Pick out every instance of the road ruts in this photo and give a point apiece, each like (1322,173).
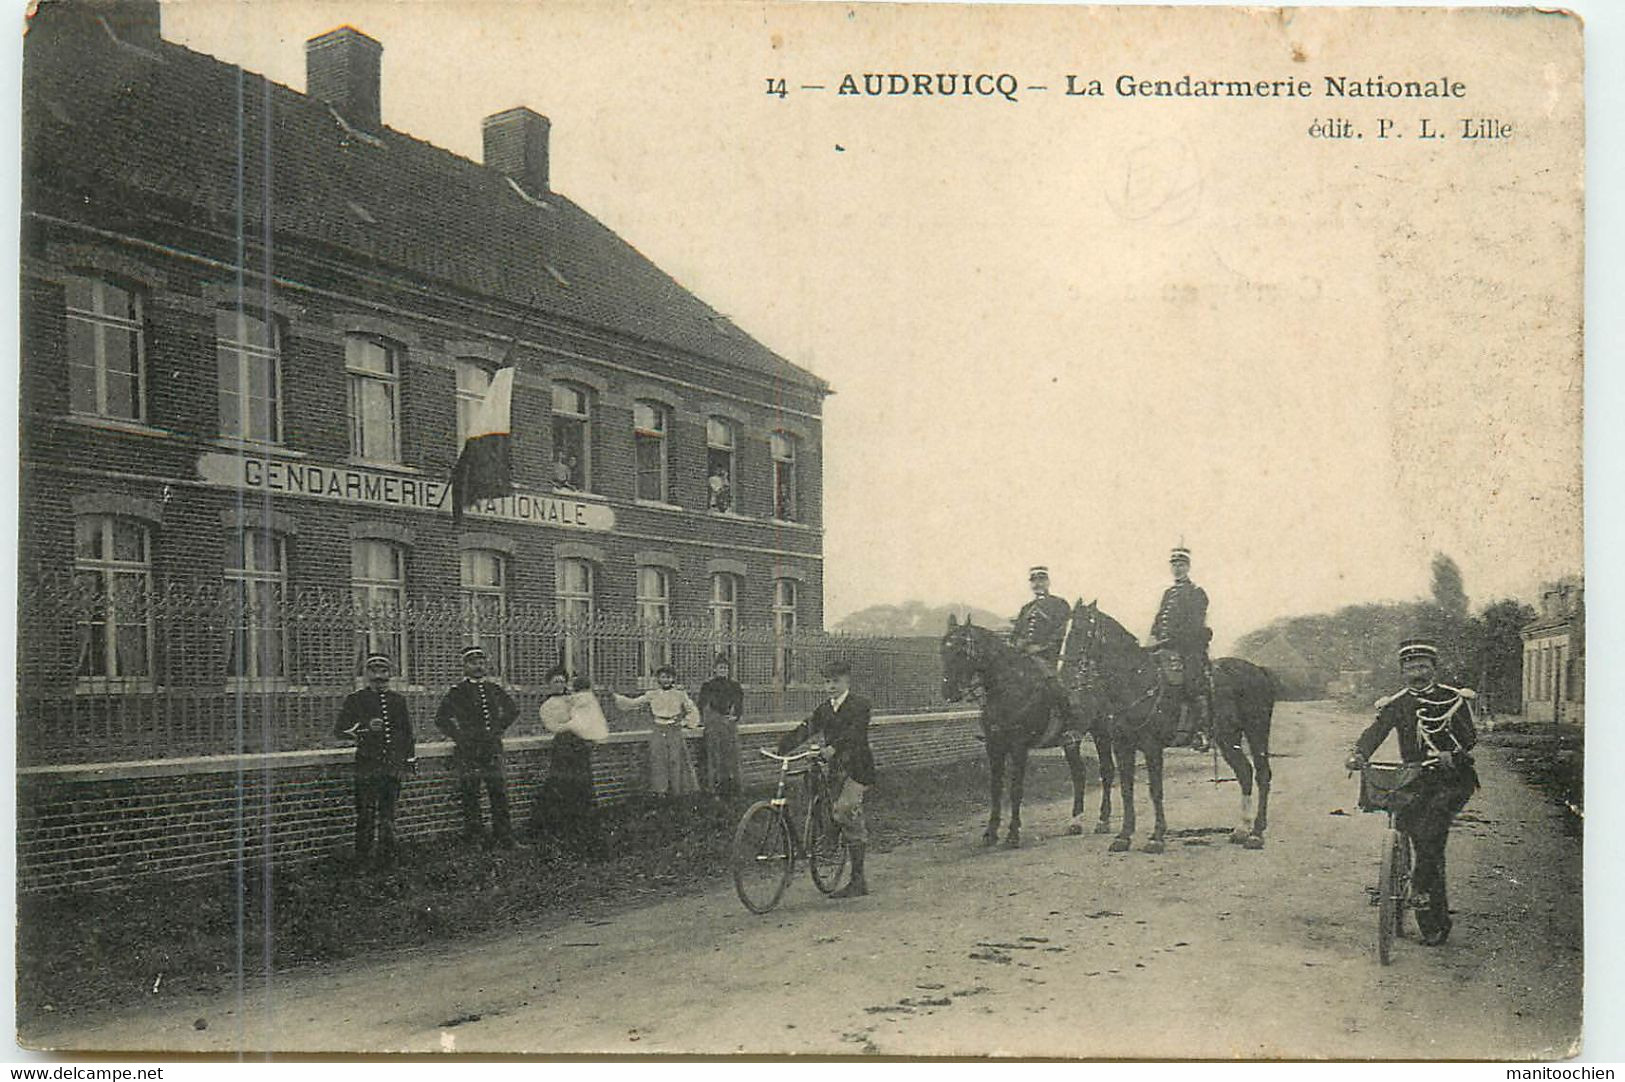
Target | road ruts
(1057,949)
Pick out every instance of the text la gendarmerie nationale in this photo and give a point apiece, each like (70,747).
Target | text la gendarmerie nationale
(1007,85)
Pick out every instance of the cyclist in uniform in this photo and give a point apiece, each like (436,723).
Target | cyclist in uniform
(1432,721)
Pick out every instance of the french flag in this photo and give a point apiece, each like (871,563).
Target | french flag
(483,470)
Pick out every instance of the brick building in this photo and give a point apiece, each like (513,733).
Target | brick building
(1554,655)
(253,321)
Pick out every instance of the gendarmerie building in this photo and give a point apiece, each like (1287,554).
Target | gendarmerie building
(254,321)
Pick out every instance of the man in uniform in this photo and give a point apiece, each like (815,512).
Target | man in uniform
(1181,634)
(1434,725)
(842,720)
(1039,630)
(475,713)
(376,719)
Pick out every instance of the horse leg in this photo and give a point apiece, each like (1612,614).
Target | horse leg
(1103,753)
(1074,766)
(1260,744)
(1153,771)
(995,772)
(1230,748)
(1124,753)
(1018,776)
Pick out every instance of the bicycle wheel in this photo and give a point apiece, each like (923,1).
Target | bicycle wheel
(762,858)
(1402,885)
(826,847)
(1387,899)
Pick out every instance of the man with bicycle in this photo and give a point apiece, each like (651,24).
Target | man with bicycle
(842,721)
(1433,723)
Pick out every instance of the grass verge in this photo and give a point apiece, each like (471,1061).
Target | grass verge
(160,940)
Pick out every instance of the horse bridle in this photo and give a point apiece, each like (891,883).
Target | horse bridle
(1089,668)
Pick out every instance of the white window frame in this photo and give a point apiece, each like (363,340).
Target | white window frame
(374,598)
(103,323)
(654,601)
(258,614)
(657,434)
(786,622)
(494,642)
(360,377)
(114,578)
(582,418)
(468,396)
(233,349)
(576,610)
(724,614)
(730,448)
(784,452)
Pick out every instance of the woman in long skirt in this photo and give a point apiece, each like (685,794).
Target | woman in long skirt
(671,771)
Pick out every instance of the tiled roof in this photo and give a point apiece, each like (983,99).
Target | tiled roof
(139,130)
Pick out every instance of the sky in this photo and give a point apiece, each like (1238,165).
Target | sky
(1078,331)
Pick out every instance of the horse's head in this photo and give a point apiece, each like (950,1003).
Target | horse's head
(962,658)
(1088,661)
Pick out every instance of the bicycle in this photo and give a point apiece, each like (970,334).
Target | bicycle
(766,847)
(1380,783)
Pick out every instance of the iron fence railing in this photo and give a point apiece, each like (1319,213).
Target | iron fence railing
(129,670)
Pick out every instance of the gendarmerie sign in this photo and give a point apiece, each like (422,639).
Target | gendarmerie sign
(351,484)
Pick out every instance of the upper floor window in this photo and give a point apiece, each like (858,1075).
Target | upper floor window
(572,437)
(485,604)
(113,564)
(249,350)
(719,464)
(378,582)
(785,495)
(473,381)
(106,373)
(374,366)
(650,423)
(257,569)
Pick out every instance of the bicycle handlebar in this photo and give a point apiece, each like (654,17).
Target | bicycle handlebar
(796,758)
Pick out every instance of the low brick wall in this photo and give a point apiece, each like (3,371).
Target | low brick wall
(102,825)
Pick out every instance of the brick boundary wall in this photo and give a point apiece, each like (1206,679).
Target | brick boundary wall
(102,826)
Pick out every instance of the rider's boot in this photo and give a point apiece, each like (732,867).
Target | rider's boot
(1185,728)
(1057,717)
(855,887)
(1201,715)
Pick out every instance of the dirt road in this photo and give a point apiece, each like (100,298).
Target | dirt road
(1058,949)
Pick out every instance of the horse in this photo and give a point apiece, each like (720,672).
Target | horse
(1015,713)
(1116,683)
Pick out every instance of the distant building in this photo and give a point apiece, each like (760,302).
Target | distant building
(1294,676)
(1554,655)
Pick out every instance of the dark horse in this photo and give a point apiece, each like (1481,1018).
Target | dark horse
(1015,713)
(1116,683)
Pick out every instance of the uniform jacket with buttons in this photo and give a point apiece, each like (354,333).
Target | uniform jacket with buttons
(475,714)
(1181,619)
(1042,621)
(1440,714)
(386,751)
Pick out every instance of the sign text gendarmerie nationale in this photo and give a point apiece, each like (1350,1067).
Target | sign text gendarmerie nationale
(351,484)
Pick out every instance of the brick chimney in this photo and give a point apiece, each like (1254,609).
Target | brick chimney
(516,145)
(342,68)
(135,22)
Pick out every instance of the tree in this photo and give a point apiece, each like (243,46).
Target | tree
(1497,651)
